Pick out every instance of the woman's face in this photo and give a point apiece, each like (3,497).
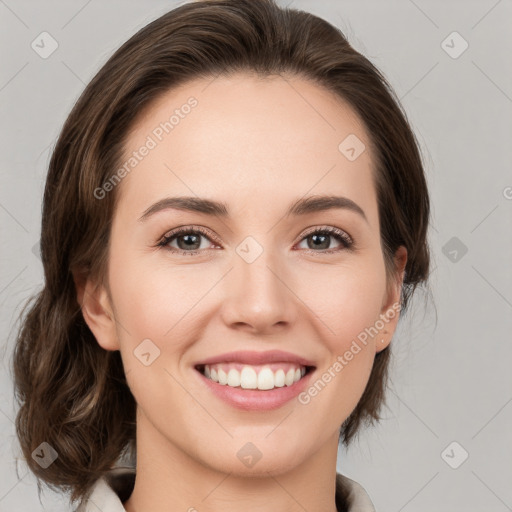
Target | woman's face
(257,279)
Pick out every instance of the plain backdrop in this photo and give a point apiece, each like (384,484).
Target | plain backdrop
(445,443)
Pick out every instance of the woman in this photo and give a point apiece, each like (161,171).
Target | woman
(235,215)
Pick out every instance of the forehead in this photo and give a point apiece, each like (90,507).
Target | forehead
(241,139)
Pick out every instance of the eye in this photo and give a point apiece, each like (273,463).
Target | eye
(188,239)
(321,239)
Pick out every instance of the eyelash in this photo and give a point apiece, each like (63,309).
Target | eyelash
(341,236)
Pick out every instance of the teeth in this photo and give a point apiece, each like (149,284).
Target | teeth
(223,378)
(290,377)
(233,378)
(248,378)
(266,379)
(279,378)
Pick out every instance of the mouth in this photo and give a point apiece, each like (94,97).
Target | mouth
(261,377)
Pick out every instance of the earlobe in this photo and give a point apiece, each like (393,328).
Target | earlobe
(97,312)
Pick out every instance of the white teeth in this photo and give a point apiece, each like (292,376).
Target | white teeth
(279,378)
(223,378)
(266,379)
(248,378)
(233,378)
(290,375)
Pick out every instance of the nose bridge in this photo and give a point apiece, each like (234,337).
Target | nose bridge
(258,268)
(257,293)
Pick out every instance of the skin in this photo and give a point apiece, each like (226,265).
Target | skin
(246,138)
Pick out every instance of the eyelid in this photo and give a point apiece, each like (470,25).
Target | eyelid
(190,227)
(330,230)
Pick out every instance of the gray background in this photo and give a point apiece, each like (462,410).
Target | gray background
(451,378)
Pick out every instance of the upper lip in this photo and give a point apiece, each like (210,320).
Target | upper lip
(256,358)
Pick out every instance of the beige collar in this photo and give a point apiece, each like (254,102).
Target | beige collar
(109,492)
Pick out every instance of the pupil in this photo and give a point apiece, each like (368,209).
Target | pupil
(189,242)
(324,238)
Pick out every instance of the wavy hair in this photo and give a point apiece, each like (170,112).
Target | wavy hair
(73,394)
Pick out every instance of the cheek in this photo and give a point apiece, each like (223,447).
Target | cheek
(344,300)
(347,304)
(154,298)
(156,321)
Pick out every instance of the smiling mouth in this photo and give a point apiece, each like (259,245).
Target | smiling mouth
(263,377)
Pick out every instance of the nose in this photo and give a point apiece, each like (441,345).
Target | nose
(258,296)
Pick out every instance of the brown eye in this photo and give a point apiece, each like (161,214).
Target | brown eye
(188,240)
(321,240)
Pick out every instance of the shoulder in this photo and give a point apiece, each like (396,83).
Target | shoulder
(353,494)
(110,491)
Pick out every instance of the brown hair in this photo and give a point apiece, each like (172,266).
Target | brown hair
(72,393)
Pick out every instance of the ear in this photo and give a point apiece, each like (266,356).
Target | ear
(390,311)
(97,311)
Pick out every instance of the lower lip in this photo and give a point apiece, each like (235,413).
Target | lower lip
(254,399)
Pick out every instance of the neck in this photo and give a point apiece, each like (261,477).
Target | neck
(168,479)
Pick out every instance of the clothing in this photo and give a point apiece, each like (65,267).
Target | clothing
(110,492)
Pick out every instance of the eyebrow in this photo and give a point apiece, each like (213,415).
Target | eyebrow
(219,209)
